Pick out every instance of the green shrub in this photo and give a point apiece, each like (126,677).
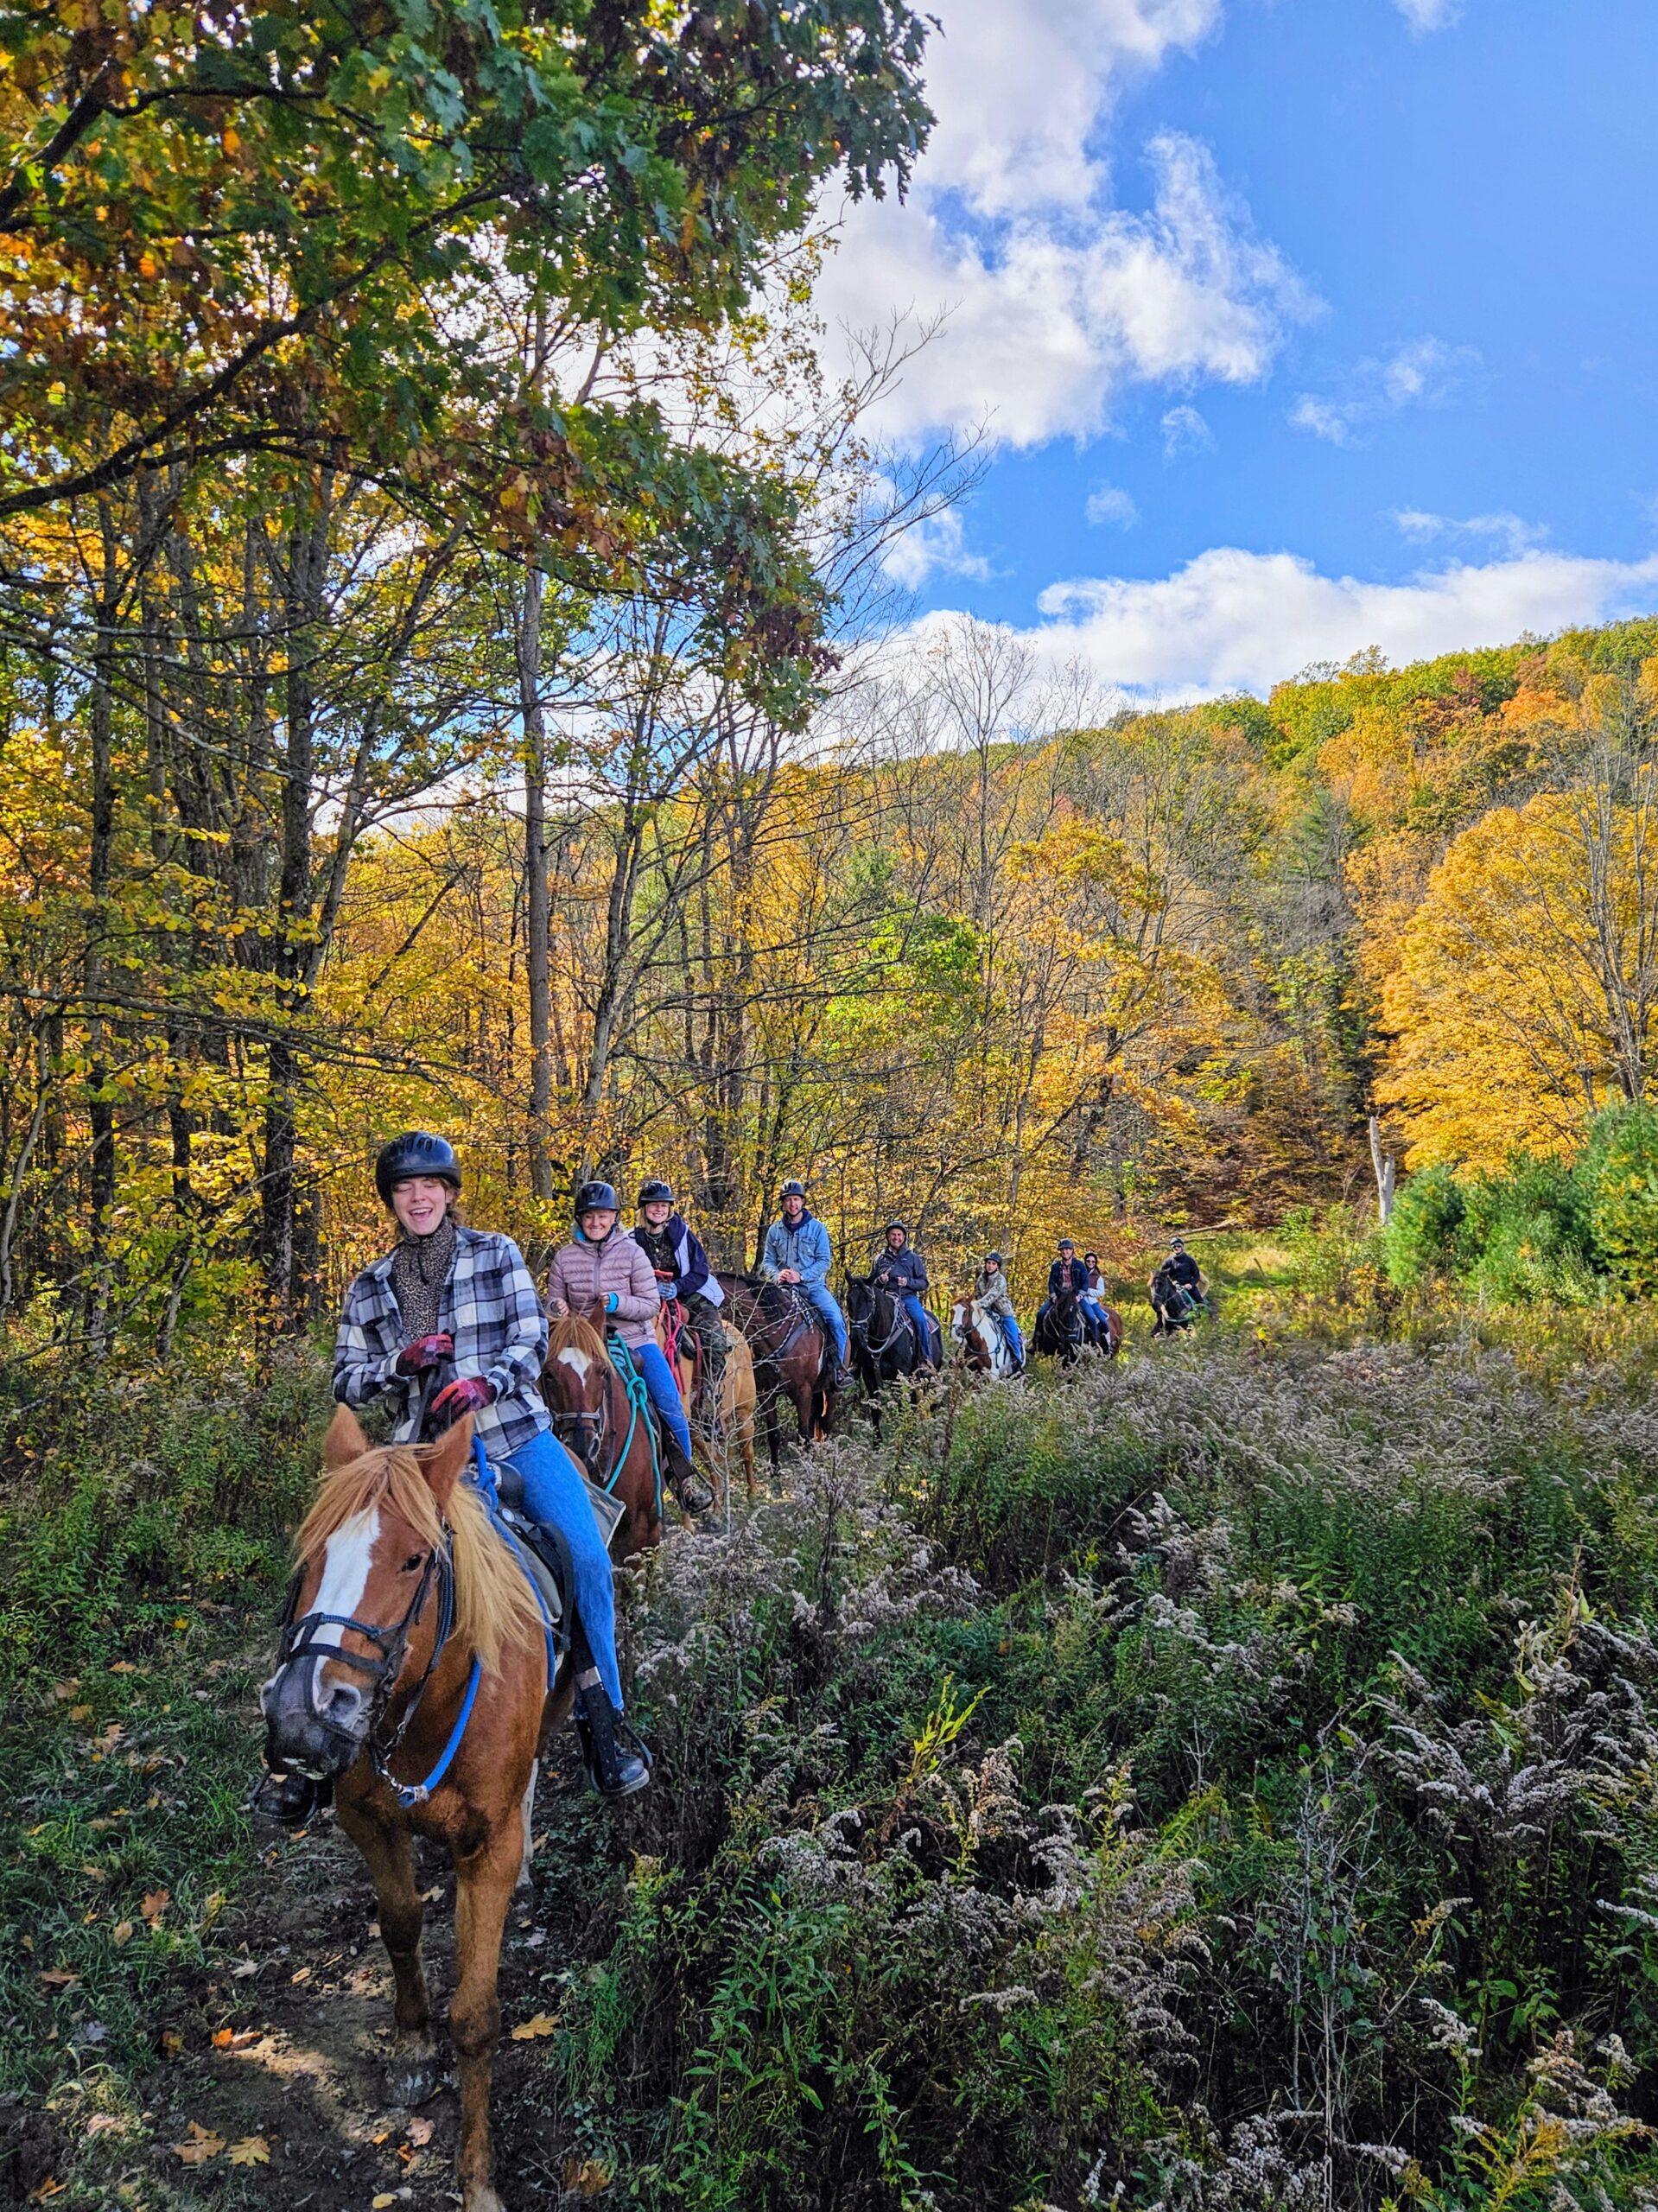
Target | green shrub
(1421,1240)
(1526,1234)
(1618,1174)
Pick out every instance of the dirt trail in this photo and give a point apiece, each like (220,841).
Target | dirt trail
(284,2044)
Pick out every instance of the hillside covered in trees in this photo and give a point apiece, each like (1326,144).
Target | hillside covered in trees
(934,948)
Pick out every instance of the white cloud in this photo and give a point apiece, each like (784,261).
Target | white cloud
(1107,504)
(1512,532)
(936,545)
(1235,620)
(1429,15)
(1425,372)
(1185,431)
(1053,295)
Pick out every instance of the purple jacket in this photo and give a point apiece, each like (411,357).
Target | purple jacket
(585,1274)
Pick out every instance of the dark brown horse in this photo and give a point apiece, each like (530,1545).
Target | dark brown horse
(793,1354)
(396,1549)
(611,1436)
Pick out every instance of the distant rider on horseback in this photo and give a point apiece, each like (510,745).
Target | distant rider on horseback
(681,1270)
(904,1270)
(990,1288)
(450,1296)
(797,1251)
(1177,1288)
(1069,1269)
(601,1268)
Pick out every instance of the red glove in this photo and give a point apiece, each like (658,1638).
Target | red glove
(424,1352)
(464,1395)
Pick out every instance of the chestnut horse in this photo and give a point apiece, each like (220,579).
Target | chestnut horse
(414,1666)
(681,1348)
(611,1435)
(793,1355)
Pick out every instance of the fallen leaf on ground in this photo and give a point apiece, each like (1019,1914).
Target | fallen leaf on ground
(58,1978)
(381,2137)
(122,1666)
(528,2030)
(80,1712)
(419,2132)
(251,2151)
(154,1905)
(384,2198)
(587,2176)
(64,1691)
(200,2145)
(122,1931)
(211,1910)
(51,2187)
(243,1969)
(304,1974)
(235,2038)
(95,1873)
(172,2043)
(101,2122)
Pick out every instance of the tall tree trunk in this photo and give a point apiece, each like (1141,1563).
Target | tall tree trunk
(100,864)
(539,919)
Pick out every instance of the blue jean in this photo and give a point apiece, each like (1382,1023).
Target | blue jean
(820,1299)
(922,1322)
(1096,1313)
(649,1358)
(1015,1342)
(553,1492)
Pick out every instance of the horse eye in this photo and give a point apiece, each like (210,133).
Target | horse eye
(414,1559)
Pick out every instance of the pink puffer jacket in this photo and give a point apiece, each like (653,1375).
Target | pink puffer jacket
(584,1275)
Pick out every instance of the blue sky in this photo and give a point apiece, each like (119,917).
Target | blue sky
(1299,326)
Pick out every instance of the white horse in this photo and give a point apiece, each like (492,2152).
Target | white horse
(984,1348)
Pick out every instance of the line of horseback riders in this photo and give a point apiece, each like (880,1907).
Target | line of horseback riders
(449,1324)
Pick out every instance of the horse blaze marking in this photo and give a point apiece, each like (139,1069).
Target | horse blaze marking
(346,1563)
(577,1361)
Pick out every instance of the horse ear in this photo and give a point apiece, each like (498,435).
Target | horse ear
(441,1462)
(344,1441)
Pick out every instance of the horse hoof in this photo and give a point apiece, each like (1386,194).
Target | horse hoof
(412,2077)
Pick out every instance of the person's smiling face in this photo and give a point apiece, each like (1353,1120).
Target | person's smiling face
(656,1213)
(597,1223)
(420,1203)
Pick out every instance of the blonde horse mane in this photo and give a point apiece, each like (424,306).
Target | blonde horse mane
(494,1611)
(575,1332)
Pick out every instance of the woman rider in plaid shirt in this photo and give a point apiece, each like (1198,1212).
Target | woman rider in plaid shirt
(447,1295)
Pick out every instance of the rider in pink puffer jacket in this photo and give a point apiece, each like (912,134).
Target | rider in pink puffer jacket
(583,1275)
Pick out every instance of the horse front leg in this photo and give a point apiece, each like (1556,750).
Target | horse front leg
(484,1884)
(388,1851)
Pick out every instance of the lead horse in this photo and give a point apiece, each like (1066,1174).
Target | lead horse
(416,1667)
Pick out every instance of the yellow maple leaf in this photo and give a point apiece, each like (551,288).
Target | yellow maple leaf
(528,2030)
(251,2151)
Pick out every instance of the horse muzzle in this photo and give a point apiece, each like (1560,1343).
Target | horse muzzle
(315,1723)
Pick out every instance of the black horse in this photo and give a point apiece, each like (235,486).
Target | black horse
(1060,1330)
(884,1343)
(1176,1305)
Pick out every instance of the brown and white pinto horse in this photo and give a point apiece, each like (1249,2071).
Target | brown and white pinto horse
(609,1437)
(984,1350)
(395,1547)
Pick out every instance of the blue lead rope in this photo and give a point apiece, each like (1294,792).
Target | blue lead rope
(411,1794)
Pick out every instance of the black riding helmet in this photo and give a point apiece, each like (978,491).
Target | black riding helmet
(417,1151)
(656,1193)
(792,1190)
(596,1197)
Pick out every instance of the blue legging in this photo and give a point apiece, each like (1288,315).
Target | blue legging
(553,1492)
(648,1358)
(1096,1313)
(820,1299)
(1015,1342)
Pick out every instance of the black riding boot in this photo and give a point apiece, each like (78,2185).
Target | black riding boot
(617,1761)
(691,1493)
(290,1800)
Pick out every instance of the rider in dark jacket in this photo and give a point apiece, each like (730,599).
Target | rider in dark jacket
(1068,1266)
(905,1271)
(1176,1288)
(681,1270)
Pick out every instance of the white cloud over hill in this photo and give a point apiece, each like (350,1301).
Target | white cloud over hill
(1234,620)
